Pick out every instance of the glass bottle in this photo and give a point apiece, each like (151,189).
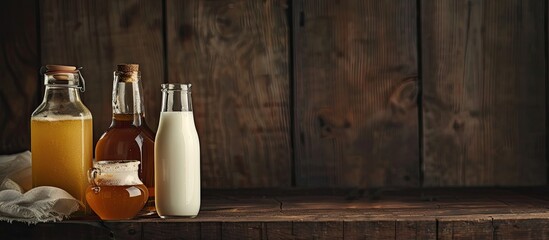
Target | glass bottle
(177,155)
(61,134)
(129,137)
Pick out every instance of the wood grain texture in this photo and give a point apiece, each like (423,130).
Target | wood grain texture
(19,94)
(121,230)
(521,229)
(318,230)
(465,229)
(97,35)
(235,53)
(452,213)
(279,230)
(419,230)
(381,230)
(483,65)
(210,230)
(61,230)
(241,230)
(171,231)
(355,93)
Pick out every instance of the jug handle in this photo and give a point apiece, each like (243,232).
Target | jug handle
(92,175)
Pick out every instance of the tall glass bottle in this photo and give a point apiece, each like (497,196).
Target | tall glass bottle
(61,134)
(177,155)
(129,137)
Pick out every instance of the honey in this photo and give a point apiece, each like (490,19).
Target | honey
(117,202)
(115,190)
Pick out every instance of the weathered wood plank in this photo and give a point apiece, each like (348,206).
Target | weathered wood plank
(526,215)
(355,93)
(97,35)
(62,230)
(318,230)
(521,229)
(210,230)
(483,67)
(241,230)
(171,230)
(279,231)
(19,64)
(371,230)
(235,53)
(465,229)
(124,230)
(419,230)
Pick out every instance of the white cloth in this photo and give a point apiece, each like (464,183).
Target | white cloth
(16,171)
(40,204)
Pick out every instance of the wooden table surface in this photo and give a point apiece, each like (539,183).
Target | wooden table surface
(478,213)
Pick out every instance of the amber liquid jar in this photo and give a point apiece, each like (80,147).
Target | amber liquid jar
(115,191)
(129,137)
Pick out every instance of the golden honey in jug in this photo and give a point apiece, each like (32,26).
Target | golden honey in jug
(115,191)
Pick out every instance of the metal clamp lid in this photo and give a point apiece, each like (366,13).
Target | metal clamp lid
(52,69)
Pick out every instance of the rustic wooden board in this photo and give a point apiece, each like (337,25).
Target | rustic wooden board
(521,229)
(210,230)
(382,230)
(483,71)
(97,35)
(279,230)
(19,94)
(465,229)
(235,53)
(171,231)
(355,89)
(62,230)
(241,230)
(419,230)
(123,230)
(527,216)
(318,230)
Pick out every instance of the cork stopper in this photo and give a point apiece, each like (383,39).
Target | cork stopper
(127,67)
(127,72)
(62,71)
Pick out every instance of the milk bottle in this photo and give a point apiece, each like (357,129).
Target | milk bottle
(177,155)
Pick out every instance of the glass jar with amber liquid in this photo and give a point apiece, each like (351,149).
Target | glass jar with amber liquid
(61,134)
(115,191)
(129,137)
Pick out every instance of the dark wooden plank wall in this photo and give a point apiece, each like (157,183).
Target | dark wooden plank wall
(483,65)
(355,91)
(309,93)
(19,63)
(235,53)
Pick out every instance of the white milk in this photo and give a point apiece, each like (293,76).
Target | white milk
(177,166)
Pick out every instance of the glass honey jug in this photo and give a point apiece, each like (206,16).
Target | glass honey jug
(115,191)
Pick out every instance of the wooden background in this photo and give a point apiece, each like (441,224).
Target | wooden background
(308,93)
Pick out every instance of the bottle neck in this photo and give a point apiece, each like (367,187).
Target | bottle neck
(58,93)
(127,99)
(62,87)
(127,95)
(176,98)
